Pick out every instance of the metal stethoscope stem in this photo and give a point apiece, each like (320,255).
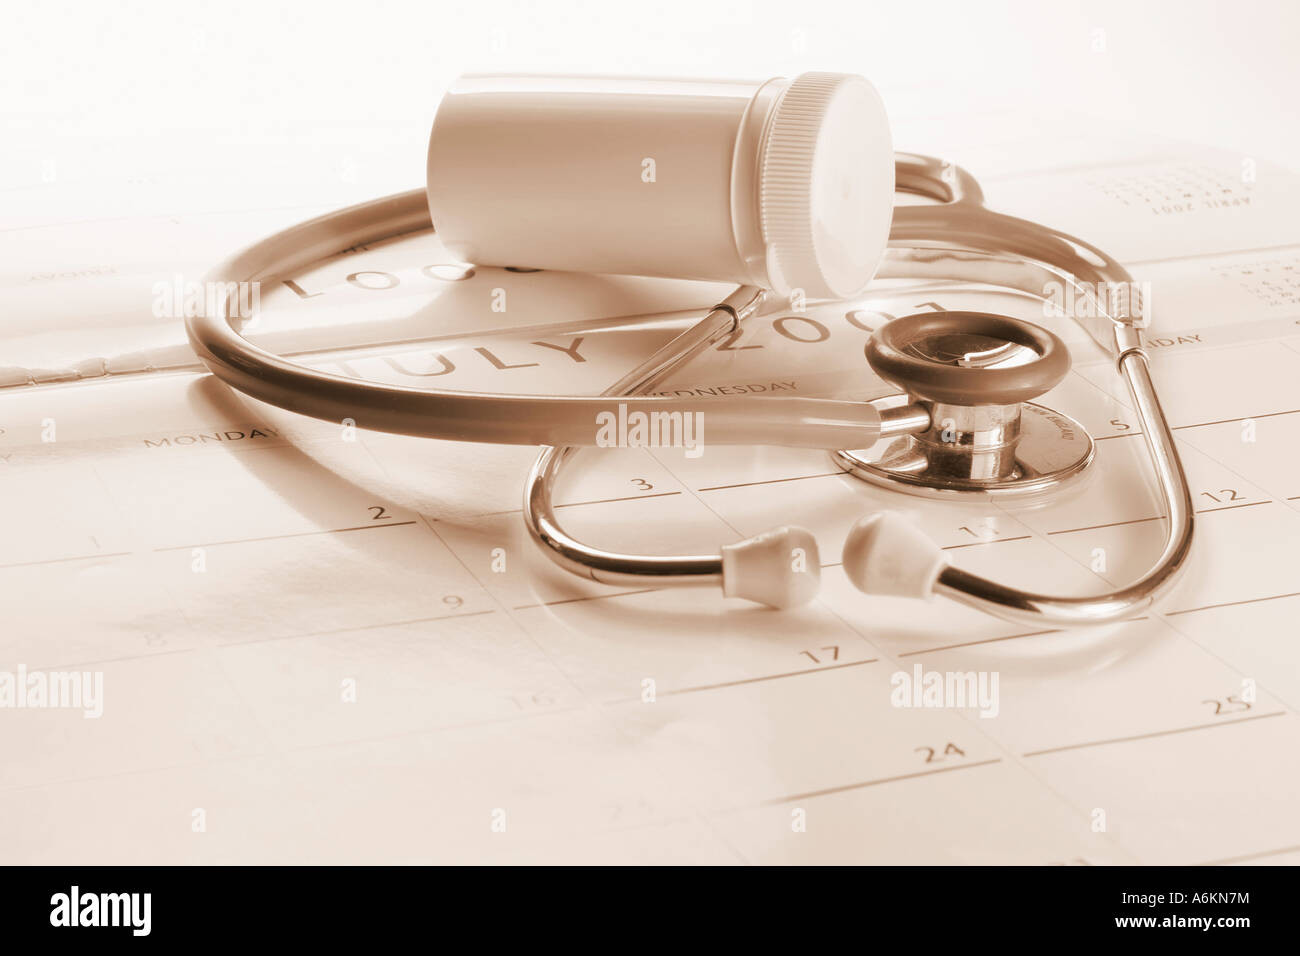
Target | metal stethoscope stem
(976,242)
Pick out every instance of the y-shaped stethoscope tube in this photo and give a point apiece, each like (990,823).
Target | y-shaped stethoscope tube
(961,219)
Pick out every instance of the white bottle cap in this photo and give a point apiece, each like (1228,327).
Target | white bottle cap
(826,189)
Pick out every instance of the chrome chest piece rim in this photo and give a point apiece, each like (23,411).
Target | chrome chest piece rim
(965,422)
(1050,450)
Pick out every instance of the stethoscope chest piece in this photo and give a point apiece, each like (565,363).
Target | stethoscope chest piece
(965,423)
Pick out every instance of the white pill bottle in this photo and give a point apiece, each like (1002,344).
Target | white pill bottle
(783,184)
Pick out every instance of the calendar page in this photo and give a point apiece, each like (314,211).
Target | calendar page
(264,638)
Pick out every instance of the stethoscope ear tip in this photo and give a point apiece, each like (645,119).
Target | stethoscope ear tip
(780,568)
(886,554)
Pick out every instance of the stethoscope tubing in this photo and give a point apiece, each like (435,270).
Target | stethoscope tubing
(957,239)
(495,418)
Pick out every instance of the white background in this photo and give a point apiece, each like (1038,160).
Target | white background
(261,92)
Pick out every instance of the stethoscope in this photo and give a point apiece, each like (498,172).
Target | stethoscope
(963,423)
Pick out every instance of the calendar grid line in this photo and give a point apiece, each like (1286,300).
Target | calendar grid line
(1255,600)
(295,636)
(828,791)
(988,640)
(763,678)
(281,537)
(1153,734)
